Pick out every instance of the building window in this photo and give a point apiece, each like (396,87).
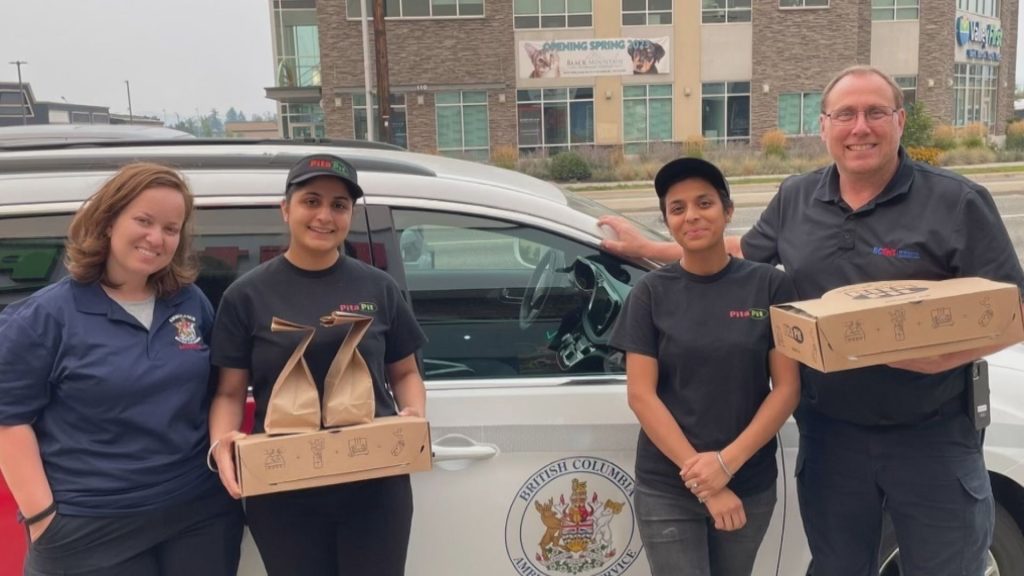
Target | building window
(722,11)
(909,86)
(555,119)
(646,116)
(553,14)
(646,12)
(301,121)
(974,94)
(894,9)
(803,3)
(725,111)
(462,125)
(80,118)
(297,45)
(421,8)
(988,8)
(799,112)
(99,118)
(399,136)
(14,103)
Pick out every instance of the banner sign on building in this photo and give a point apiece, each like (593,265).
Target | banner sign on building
(978,38)
(594,57)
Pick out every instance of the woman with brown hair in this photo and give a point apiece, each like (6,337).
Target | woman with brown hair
(105,386)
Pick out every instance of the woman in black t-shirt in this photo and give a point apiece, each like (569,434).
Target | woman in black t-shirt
(355,528)
(699,355)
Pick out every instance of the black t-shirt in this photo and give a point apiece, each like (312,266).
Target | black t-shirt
(927,224)
(711,336)
(242,336)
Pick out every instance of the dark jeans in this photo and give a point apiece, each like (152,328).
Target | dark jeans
(930,478)
(681,540)
(353,529)
(198,538)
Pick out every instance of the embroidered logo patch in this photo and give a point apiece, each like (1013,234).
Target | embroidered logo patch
(187,337)
(360,308)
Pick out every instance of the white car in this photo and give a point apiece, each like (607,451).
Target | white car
(533,439)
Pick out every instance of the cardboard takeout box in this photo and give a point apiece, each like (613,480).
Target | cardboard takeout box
(882,322)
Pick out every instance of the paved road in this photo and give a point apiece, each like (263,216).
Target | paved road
(642,205)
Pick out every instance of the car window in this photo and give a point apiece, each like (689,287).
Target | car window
(498,299)
(228,242)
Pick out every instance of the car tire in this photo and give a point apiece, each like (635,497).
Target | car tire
(1007,547)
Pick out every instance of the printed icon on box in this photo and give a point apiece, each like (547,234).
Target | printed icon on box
(795,333)
(854,332)
(884,291)
(317,446)
(273,459)
(358,447)
(988,314)
(898,317)
(942,317)
(399,443)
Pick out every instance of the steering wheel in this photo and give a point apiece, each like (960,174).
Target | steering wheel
(538,288)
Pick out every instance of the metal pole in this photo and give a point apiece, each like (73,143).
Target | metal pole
(21,90)
(128,87)
(371,129)
(380,42)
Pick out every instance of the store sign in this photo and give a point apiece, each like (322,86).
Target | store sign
(978,38)
(594,57)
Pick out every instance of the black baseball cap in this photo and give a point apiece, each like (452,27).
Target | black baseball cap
(685,168)
(325,165)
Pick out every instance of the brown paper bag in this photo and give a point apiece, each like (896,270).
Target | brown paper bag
(294,404)
(348,388)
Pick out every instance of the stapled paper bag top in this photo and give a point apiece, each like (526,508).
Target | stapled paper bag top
(348,388)
(294,404)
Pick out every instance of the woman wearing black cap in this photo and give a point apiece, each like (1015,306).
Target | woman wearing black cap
(699,355)
(356,528)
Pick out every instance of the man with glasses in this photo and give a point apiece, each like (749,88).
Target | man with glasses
(894,437)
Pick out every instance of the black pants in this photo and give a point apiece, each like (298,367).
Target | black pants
(198,538)
(353,529)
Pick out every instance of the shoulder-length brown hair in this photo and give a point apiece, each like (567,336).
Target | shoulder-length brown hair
(88,242)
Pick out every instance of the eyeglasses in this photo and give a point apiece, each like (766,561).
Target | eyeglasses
(873,115)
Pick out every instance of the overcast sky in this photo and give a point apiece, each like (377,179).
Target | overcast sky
(180,56)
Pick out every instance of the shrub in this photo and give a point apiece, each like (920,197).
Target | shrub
(569,166)
(944,137)
(773,143)
(1015,136)
(505,157)
(694,146)
(974,135)
(928,155)
(917,132)
(967,156)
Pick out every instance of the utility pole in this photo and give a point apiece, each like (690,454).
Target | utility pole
(371,126)
(383,86)
(128,87)
(21,90)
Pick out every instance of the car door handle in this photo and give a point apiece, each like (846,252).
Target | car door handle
(478,452)
(512,296)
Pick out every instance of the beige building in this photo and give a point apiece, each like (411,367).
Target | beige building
(257,130)
(469,77)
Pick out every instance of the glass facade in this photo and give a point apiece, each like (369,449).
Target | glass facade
(298,44)
(974,94)
(798,113)
(553,13)
(894,9)
(422,8)
(646,116)
(399,136)
(555,119)
(462,124)
(725,111)
(724,11)
(299,121)
(646,12)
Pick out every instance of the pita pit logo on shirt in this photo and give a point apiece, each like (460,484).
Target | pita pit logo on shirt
(187,337)
(360,308)
(901,253)
(752,314)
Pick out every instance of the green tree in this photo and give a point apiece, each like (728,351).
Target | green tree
(917,132)
(231,115)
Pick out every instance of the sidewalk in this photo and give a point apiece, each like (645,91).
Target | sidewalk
(754,191)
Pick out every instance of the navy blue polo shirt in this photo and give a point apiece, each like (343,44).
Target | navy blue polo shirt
(926,224)
(120,412)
